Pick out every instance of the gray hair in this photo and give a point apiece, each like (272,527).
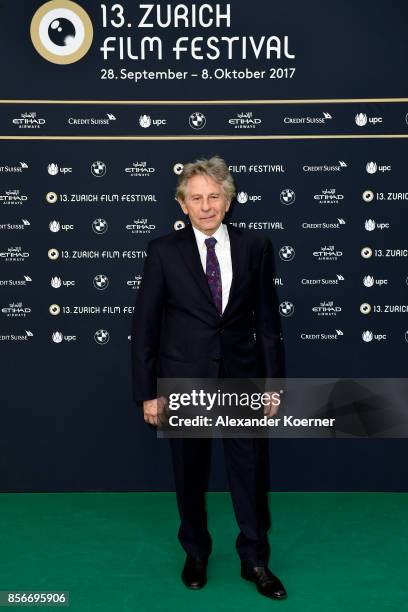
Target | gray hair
(215,167)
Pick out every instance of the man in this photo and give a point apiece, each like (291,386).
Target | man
(206,308)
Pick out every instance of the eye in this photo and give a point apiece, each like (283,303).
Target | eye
(61,35)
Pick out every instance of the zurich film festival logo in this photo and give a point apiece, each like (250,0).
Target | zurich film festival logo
(61,31)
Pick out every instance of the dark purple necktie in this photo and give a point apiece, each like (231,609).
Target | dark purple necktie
(213,273)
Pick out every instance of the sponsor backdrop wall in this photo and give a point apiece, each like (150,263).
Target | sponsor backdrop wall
(101,104)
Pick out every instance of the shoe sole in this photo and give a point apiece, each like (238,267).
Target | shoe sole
(195,587)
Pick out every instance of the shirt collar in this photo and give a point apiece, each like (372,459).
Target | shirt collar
(221,235)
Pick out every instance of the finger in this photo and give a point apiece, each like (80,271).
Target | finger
(273,411)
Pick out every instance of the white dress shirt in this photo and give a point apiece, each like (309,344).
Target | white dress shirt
(223,252)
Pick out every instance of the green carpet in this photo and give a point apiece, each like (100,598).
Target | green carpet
(118,551)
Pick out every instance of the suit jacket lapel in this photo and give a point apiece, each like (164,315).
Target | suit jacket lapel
(238,255)
(191,257)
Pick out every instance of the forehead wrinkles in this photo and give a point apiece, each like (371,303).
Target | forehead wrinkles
(208,187)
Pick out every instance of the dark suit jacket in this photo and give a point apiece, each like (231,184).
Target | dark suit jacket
(176,329)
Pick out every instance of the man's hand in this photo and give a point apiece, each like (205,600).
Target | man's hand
(271,408)
(153,409)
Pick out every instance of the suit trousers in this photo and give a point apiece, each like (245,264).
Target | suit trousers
(247,466)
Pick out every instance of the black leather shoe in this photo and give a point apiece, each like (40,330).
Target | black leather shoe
(194,573)
(267,583)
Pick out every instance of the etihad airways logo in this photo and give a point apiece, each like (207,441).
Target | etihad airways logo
(326,309)
(14,254)
(140,226)
(28,121)
(140,168)
(327,253)
(12,197)
(328,196)
(245,121)
(15,309)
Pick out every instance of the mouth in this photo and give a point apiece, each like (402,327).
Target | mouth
(207,218)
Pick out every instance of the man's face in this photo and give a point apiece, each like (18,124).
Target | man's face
(205,203)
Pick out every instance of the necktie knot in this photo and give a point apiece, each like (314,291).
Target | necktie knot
(210,242)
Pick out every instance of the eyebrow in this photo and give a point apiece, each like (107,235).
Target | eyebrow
(199,194)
